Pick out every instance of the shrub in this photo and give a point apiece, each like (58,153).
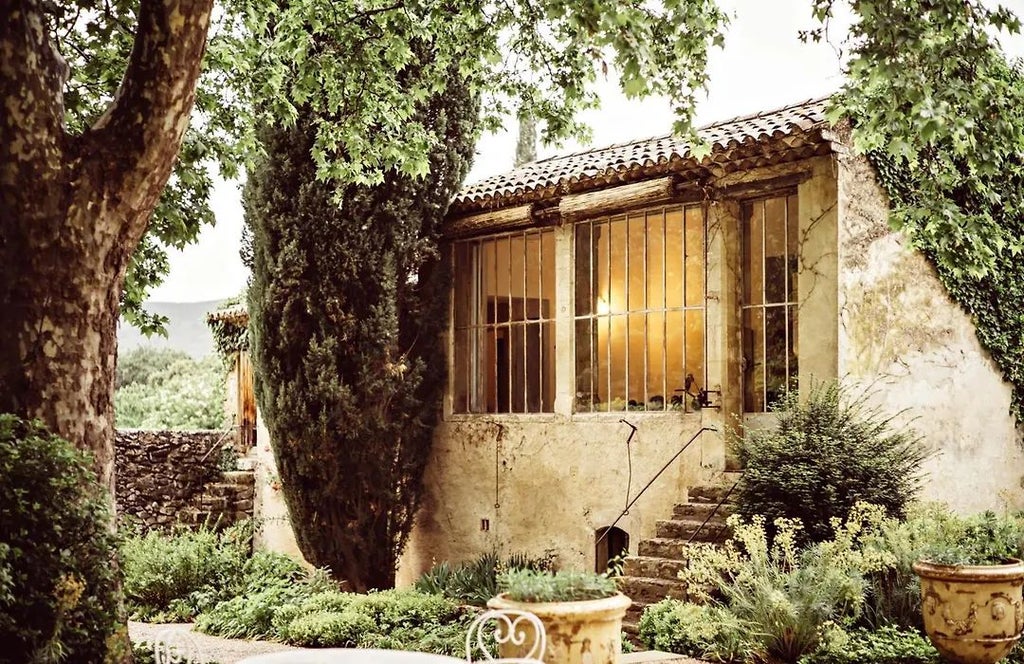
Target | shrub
(694,630)
(177,576)
(328,629)
(251,616)
(827,452)
(184,394)
(395,609)
(476,581)
(887,645)
(527,585)
(56,548)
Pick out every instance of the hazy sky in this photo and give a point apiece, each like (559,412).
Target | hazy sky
(763,66)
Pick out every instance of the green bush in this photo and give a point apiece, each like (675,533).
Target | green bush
(695,630)
(56,549)
(251,616)
(887,645)
(827,452)
(328,629)
(174,577)
(476,581)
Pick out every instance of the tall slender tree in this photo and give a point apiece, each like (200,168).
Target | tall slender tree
(348,303)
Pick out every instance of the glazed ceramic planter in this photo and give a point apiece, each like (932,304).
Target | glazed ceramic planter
(972,613)
(584,632)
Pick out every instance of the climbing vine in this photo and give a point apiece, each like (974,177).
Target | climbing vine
(229,337)
(939,110)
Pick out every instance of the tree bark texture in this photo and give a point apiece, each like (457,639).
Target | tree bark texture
(73,209)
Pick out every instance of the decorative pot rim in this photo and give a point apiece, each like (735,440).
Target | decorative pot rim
(611,605)
(1010,569)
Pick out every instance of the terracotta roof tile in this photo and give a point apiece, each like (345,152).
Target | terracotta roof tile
(722,136)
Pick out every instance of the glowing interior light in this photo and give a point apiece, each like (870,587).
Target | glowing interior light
(602,306)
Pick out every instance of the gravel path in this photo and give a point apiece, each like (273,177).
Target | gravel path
(208,648)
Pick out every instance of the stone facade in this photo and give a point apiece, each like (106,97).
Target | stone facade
(170,477)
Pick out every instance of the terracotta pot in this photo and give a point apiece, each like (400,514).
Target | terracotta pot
(972,613)
(585,632)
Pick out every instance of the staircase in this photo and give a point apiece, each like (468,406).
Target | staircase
(652,574)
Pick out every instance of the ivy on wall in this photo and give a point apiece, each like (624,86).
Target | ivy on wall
(229,338)
(939,110)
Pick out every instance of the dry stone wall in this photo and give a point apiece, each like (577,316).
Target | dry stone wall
(170,477)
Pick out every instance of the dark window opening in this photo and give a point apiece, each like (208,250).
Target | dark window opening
(610,548)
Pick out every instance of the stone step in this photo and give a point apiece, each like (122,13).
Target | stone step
(689,529)
(662,547)
(631,621)
(711,493)
(701,511)
(655,568)
(242,477)
(648,591)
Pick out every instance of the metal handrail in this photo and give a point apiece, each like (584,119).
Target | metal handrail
(653,479)
(712,514)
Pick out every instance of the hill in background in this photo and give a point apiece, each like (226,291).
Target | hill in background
(186,329)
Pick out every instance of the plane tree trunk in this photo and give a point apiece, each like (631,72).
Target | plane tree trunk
(73,209)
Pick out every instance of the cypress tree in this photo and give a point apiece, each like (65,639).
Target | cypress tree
(348,305)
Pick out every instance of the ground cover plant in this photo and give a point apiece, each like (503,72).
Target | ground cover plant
(849,599)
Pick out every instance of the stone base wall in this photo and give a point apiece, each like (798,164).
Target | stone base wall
(166,478)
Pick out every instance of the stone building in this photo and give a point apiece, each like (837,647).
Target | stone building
(616,310)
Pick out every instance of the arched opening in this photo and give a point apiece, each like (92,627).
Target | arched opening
(611,544)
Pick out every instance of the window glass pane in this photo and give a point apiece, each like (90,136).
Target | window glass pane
(675,358)
(518,360)
(775,250)
(586,342)
(547,367)
(601,267)
(694,379)
(490,276)
(547,272)
(655,261)
(464,295)
(517,276)
(794,364)
(753,214)
(753,360)
(637,256)
(636,394)
(674,257)
(617,363)
(584,269)
(775,342)
(617,284)
(494,351)
(657,392)
(694,256)
(502,279)
(460,388)
(533,267)
(601,359)
(793,242)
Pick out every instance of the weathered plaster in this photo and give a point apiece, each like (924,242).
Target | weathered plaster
(274,529)
(545,485)
(914,350)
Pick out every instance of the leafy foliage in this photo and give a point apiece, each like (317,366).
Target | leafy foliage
(538,585)
(56,597)
(940,111)
(887,645)
(827,452)
(141,364)
(476,581)
(170,393)
(311,617)
(708,632)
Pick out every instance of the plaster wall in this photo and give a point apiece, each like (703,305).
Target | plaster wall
(914,351)
(274,529)
(545,485)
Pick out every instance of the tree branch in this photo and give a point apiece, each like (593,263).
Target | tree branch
(132,148)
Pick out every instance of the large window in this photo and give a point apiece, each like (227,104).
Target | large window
(770,288)
(504,329)
(639,310)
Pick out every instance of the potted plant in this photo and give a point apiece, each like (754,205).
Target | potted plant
(581,612)
(971,594)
